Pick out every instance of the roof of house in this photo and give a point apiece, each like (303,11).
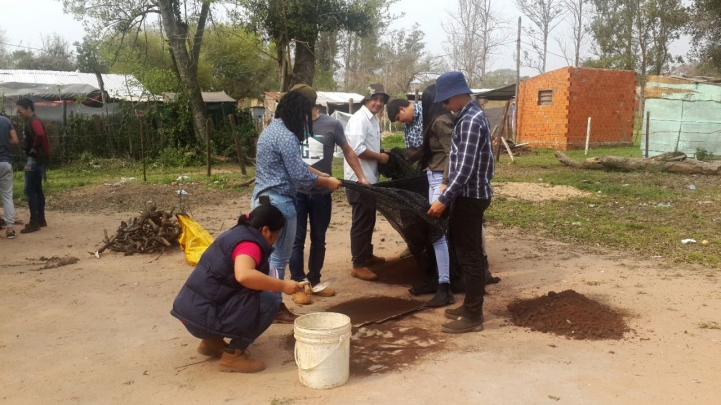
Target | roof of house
(501,93)
(52,84)
(325,97)
(208,97)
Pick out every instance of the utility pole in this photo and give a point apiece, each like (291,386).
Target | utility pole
(518,79)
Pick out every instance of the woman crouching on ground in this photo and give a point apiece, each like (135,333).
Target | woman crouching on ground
(229,294)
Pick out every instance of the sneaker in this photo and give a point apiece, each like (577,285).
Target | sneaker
(239,361)
(463,325)
(31,226)
(10,234)
(212,347)
(301,298)
(363,273)
(42,223)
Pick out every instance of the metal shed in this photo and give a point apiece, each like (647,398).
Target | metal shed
(685,114)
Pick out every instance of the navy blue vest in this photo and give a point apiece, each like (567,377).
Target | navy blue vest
(212,299)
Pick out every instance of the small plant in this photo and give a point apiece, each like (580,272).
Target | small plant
(175,157)
(709,325)
(704,155)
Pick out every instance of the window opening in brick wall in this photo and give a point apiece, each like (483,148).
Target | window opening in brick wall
(545,97)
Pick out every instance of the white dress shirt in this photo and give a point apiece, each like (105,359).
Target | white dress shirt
(363,133)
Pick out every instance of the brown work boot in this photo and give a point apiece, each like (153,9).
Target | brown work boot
(301,298)
(239,361)
(31,226)
(284,315)
(363,273)
(212,347)
(373,260)
(326,292)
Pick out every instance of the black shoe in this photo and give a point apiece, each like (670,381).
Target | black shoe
(443,296)
(454,313)
(424,287)
(463,325)
(31,226)
(42,223)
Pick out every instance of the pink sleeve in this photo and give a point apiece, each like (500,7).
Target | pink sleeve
(248,248)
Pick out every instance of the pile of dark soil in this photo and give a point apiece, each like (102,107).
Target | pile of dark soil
(569,314)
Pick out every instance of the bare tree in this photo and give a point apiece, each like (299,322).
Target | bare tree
(475,33)
(545,15)
(577,13)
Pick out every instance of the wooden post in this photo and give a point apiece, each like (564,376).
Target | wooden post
(350,106)
(648,124)
(588,134)
(518,80)
(63,135)
(499,130)
(241,154)
(207,142)
(416,99)
(142,147)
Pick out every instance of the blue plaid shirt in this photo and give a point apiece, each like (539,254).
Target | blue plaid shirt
(279,167)
(414,132)
(471,158)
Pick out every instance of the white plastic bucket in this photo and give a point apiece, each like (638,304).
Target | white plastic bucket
(322,349)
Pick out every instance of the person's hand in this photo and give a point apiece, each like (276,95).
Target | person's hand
(443,187)
(364,181)
(333,183)
(383,159)
(324,174)
(291,287)
(436,209)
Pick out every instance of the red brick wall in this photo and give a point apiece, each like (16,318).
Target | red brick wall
(608,97)
(544,125)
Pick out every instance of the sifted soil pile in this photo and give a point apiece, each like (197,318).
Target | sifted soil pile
(569,314)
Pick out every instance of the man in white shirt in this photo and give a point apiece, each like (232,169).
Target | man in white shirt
(364,136)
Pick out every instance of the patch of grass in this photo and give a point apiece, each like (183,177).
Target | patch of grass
(393,141)
(625,214)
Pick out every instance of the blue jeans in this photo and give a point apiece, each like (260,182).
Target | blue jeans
(440,246)
(266,313)
(318,208)
(284,245)
(34,189)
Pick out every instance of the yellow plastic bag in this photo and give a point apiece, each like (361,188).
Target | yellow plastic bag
(193,239)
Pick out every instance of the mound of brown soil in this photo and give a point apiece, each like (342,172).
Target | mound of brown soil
(569,314)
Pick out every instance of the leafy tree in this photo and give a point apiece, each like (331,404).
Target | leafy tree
(706,32)
(54,55)
(501,77)
(126,18)
(298,23)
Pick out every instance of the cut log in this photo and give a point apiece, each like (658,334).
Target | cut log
(675,162)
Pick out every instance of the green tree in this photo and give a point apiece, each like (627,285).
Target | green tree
(183,25)
(298,23)
(705,28)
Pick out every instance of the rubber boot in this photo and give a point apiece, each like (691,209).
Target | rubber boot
(239,361)
(443,296)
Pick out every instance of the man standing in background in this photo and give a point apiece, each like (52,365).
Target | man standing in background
(8,136)
(37,150)
(364,136)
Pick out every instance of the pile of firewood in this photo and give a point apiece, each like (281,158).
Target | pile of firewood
(152,232)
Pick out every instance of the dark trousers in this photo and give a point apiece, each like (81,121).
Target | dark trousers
(317,208)
(465,228)
(361,229)
(34,190)
(269,305)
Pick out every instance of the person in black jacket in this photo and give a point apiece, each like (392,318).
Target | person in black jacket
(229,294)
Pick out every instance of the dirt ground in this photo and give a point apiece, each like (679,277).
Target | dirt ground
(98,331)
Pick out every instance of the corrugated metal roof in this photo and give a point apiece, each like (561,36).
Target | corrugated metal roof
(332,97)
(124,87)
(208,97)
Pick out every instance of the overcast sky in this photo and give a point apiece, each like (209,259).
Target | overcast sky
(25,22)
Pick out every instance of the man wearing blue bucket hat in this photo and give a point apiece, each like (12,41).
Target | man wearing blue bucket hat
(468,195)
